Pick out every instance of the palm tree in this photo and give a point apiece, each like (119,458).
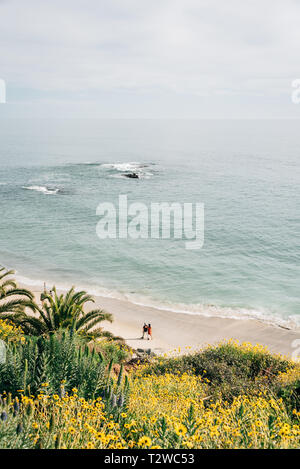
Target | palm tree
(13,300)
(65,312)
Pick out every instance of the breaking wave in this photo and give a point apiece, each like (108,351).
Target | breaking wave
(43,189)
(120,170)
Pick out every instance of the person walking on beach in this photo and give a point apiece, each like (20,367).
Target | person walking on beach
(149,332)
(145,330)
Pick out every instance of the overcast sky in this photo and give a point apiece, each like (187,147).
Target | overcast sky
(150,58)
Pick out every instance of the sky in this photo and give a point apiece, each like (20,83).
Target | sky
(149,59)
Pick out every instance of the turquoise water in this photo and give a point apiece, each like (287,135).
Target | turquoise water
(53,175)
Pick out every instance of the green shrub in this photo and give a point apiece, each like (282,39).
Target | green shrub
(230,369)
(54,364)
(14,425)
(113,350)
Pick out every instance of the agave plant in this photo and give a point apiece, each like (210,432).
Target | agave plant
(64,312)
(13,300)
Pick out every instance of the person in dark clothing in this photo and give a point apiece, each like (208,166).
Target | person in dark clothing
(145,330)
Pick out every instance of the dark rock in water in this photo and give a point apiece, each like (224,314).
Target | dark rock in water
(131,176)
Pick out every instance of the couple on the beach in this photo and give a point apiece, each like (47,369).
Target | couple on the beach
(147,329)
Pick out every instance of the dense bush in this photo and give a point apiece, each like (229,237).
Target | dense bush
(165,411)
(51,421)
(59,393)
(174,411)
(287,386)
(229,368)
(52,363)
(113,350)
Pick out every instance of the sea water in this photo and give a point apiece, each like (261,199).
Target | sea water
(54,174)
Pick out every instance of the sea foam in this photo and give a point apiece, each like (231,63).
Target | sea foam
(141,169)
(45,190)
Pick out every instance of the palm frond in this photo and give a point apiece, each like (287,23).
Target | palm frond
(19,292)
(56,311)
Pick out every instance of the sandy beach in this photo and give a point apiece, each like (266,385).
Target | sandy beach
(184,331)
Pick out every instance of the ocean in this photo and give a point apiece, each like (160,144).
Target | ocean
(54,173)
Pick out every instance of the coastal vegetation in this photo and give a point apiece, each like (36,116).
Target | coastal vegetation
(68,388)
(54,312)
(76,400)
(12,298)
(9,332)
(58,312)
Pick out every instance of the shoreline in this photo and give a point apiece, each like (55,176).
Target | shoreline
(184,331)
(207,310)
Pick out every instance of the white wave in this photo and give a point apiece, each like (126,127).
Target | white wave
(209,310)
(123,175)
(29,281)
(45,190)
(131,166)
(141,169)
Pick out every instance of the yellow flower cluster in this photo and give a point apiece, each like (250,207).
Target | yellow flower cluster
(169,394)
(10,332)
(172,410)
(191,420)
(71,422)
(290,376)
(167,411)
